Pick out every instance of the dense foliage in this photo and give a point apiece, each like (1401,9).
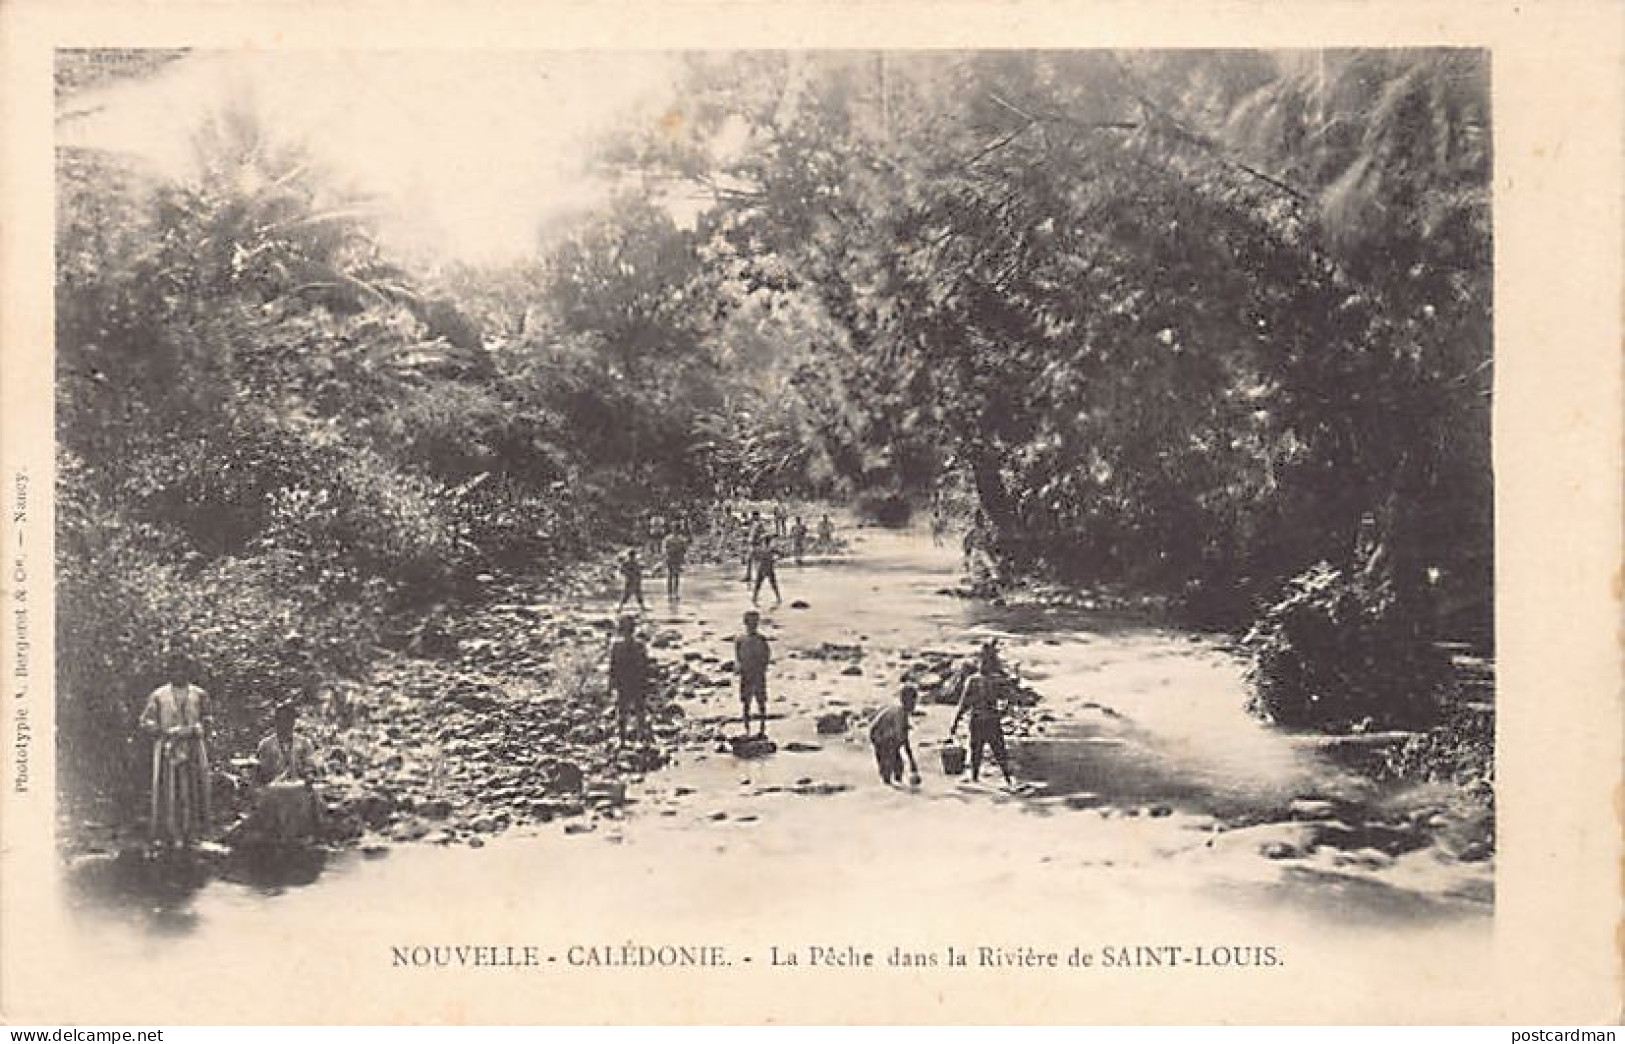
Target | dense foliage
(1179,320)
(1176,320)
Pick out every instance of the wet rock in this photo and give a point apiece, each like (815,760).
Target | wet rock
(799,604)
(1308,809)
(374,809)
(820,789)
(567,777)
(1365,859)
(718,816)
(752,746)
(409,830)
(833,724)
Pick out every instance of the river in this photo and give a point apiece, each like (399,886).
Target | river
(1152,812)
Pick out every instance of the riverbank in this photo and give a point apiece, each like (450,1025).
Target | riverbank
(509,732)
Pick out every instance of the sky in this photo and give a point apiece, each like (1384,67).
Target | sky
(470,157)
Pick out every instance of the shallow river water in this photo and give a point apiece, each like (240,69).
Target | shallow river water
(1152,813)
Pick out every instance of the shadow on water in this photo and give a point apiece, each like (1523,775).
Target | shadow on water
(1038,620)
(157,890)
(1356,899)
(273,869)
(162,891)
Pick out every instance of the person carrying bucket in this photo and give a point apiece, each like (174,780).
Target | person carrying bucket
(979,699)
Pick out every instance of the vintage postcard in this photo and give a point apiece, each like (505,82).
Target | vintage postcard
(811,513)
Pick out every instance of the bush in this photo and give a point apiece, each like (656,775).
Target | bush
(357,518)
(1335,650)
(130,595)
(508,526)
(888,509)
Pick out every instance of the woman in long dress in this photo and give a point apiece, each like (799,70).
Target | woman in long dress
(173,717)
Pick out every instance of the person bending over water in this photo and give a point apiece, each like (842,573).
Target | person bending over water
(888,733)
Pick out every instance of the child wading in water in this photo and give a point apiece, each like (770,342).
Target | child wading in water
(675,548)
(751,654)
(798,540)
(979,698)
(889,734)
(766,558)
(631,579)
(629,678)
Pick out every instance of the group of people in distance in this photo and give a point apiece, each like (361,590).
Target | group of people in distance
(175,721)
(759,548)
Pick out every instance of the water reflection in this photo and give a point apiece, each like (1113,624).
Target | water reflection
(160,890)
(273,869)
(157,889)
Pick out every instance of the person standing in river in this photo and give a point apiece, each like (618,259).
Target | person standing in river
(173,717)
(631,579)
(754,535)
(766,562)
(826,533)
(629,679)
(675,551)
(798,540)
(751,657)
(979,699)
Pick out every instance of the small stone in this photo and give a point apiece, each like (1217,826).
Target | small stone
(1311,809)
(833,724)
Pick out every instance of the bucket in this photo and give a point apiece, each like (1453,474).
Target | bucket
(953,758)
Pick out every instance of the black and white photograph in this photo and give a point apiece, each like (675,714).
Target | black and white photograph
(846,531)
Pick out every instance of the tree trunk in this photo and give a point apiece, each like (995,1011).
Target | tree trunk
(995,502)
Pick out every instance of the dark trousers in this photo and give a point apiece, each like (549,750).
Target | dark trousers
(987,731)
